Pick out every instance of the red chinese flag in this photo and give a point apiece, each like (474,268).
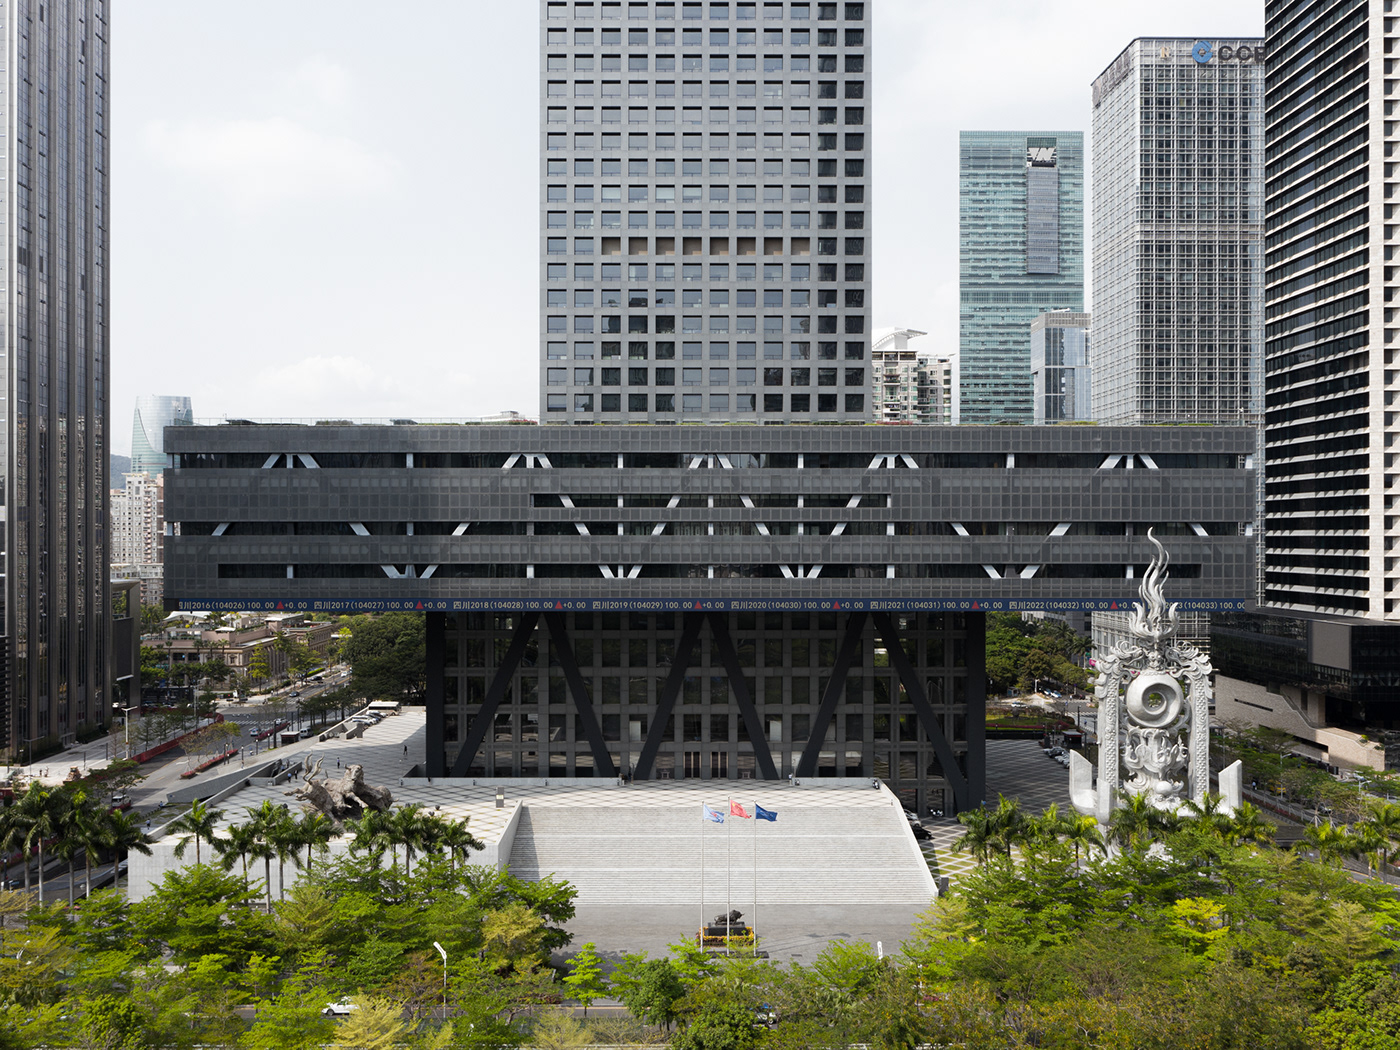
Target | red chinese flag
(736,810)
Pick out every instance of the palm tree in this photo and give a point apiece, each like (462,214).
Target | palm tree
(372,835)
(314,830)
(91,828)
(1010,825)
(235,847)
(1385,820)
(11,839)
(1371,844)
(1137,822)
(275,833)
(1248,825)
(1048,827)
(1209,815)
(978,838)
(67,813)
(1331,842)
(123,832)
(456,839)
(414,830)
(1084,832)
(196,826)
(37,813)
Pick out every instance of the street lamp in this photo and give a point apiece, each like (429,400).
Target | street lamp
(443,952)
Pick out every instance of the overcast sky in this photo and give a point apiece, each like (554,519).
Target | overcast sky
(330,209)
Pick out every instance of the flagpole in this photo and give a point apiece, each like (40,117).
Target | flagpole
(704,819)
(728,878)
(755,877)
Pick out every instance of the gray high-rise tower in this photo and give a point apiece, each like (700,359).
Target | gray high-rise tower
(1178,154)
(53,356)
(1020,254)
(705,212)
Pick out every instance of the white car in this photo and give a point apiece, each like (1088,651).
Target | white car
(339,1009)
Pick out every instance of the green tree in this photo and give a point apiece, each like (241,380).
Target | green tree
(152,616)
(292,1019)
(259,665)
(585,979)
(388,656)
(1363,1014)
(719,1026)
(201,911)
(649,988)
(377,1024)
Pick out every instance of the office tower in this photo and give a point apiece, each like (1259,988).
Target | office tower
(53,112)
(1020,254)
(153,414)
(705,241)
(1178,154)
(1060,368)
(1319,659)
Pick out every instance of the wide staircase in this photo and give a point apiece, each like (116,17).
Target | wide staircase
(832,855)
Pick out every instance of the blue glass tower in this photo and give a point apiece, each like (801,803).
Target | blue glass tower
(1021,254)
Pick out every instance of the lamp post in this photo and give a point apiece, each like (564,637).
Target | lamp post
(443,952)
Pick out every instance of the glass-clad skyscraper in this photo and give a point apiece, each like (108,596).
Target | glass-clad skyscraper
(705,212)
(1178,153)
(1020,254)
(1060,368)
(153,414)
(53,357)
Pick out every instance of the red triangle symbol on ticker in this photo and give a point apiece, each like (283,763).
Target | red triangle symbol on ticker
(1113,605)
(419,605)
(836,605)
(697,605)
(976,606)
(279,605)
(559,605)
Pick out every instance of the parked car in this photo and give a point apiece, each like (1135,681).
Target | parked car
(341,1008)
(913,819)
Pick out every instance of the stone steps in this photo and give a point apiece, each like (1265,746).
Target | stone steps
(826,855)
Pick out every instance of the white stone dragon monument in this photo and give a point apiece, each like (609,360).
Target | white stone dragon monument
(1149,723)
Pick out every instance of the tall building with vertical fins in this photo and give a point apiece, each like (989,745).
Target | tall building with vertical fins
(1020,254)
(705,216)
(1320,659)
(53,356)
(152,415)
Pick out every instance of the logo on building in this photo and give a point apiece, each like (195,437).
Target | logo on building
(1204,51)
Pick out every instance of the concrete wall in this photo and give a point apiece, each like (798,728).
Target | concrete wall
(1245,702)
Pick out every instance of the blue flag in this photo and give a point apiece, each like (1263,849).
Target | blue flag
(764,814)
(712,814)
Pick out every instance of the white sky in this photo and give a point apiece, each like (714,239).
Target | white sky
(330,209)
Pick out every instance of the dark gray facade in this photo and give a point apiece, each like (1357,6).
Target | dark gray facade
(918,519)
(705,211)
(712,602)
(53,360)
